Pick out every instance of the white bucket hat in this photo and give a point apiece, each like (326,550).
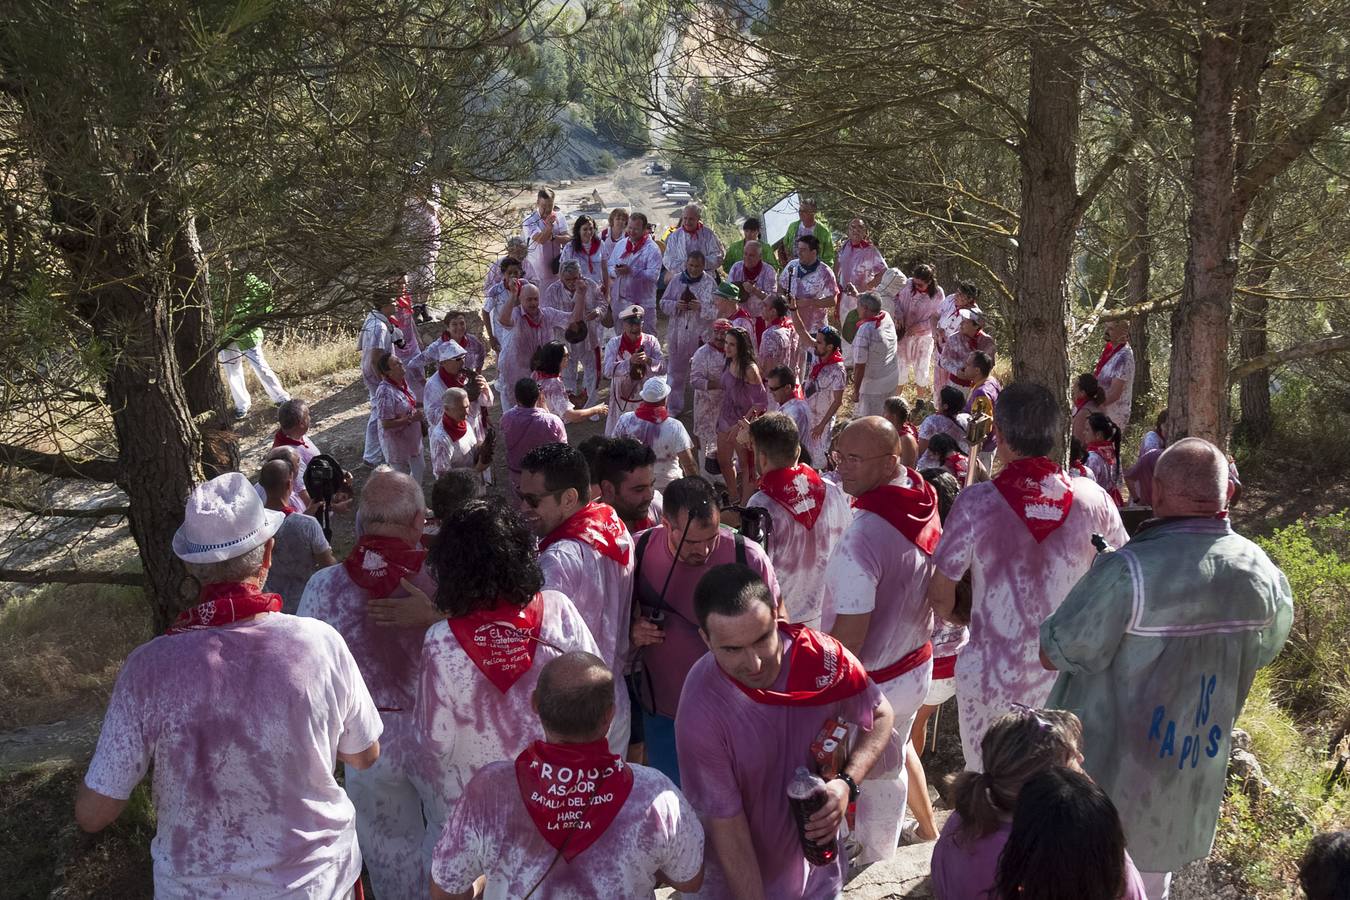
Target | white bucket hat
(655,389)
(451,350)
(224,518)
(891,282)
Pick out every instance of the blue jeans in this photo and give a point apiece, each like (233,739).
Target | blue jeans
(659,737)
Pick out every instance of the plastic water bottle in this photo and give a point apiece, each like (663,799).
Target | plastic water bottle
(806,794)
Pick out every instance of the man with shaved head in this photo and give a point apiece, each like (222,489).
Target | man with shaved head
(876,601)
(567,818)
(692,235)
(1157,647)
(525,326)
(1026,538)
(367,600)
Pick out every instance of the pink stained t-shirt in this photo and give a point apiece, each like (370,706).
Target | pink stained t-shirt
(523,429)
(668,662)
(602,591)
(876,569)
(243,723)
(800,555)
(387,656)
(464,722)
(491,833)
(737,757)
(1017,583)
(402,442)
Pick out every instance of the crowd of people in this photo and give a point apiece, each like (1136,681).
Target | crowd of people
(702,655)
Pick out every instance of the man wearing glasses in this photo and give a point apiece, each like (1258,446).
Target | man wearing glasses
(876,602)
(786,397)
(671,558)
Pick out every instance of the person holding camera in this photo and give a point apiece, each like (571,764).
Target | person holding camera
(454,372)
(807,514)
(631,357)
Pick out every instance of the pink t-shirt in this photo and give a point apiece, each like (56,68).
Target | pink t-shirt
(778,346)
(491,833)
(800,555)
(859,265)
(464,722)
(602,592)
(521,339)
(402,442)
(523,429)
(876,569)
(387,656)
(243,723)
(668,662)
(737,756)
(1017,583)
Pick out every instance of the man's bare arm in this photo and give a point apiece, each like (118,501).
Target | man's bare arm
(942,597)
(731,842)
(362,760)
(94,811)
(851,630)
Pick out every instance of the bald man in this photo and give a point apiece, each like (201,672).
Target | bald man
(692,235)
(366,601)
(1157,647)
(860,265)
(524,326)
(620,829)
(876,603)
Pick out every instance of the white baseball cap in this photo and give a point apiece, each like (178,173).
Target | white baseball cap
(451,350)
(891,282)
(655,389)
(632,312)
(224,518)
(974,314)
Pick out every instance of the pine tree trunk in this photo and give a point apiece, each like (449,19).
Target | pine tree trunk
(1198,375)
(1137,225)
(1040,337)
(1251,323)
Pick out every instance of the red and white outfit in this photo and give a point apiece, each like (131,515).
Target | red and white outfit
(401,444)
(956,349)
(680,241)
(705,374)
(654,426)
(858,264)
(593,260)
(389,796)
(639,285)
(243,716)
(816,284)
(474,356)
(585,354)
(765,278)
(306,450)
(454,445)
(473,697)
(914,312)
(376,334)
(809,517)
(826,377)
(589,558)
(780,345)
(625,392)
(1117,364)
(687,328)
(539,258)
(1105,468)
(505,827)
(739,747)
(519,342)
(876,347)
(1026,538)
(433,399)
(882,566)
(406,322)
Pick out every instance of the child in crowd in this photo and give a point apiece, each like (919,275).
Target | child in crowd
(1104,455)
(1088,397)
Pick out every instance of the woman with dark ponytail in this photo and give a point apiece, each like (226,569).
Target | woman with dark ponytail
(1088,398)
(1103,460)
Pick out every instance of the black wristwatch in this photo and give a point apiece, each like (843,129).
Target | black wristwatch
(853,789)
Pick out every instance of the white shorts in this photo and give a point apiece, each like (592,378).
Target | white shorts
(915,355)
(940,691)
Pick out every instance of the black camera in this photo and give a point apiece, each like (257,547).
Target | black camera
(324,480)
(756,523)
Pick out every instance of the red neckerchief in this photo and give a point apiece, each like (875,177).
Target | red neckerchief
(223,603)
(974,339)
(445,336)
(656,413)
(525,317)
(404,303)
(501,641)
(799,490)
(403,386)
(573,792)
(912,510)
(1078,402)
(836,356)
(631,248)
(819,671)
(1105,449)
(456,429)
(595,524)
(541,377)
(457,380)
(751,276)
(1038,491)
(741,313)
(861,245)
(627,347)
(1109,351)
(644,523)
(282,439)
(909,429)
(287,510)
(876,318)
(1079,468)
(595,246)
(377,563)
(781,322)
(957,464)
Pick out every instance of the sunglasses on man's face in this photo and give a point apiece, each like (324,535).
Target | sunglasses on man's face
(533,500)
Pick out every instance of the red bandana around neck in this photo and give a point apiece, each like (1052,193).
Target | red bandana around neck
(445,337)
(459,379)
(656,413)
(911,510)
(403,387)
(629,344)
(573,792)
(819,671)
(501,641)
(783,322)
(1105,449)
(836,356)
(282,439)
(377,563)
(799,490)
(597,525)
(456,429)
(288,510)
(594,247)
(958,465)
(860,245)
(223,603)
(877,318)
(1109,351)
(750,275)
(541,377)
(631,248)
(1038,491)
(404,303)
(533,323)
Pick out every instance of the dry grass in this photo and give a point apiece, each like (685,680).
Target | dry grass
(61,648)
(302,358)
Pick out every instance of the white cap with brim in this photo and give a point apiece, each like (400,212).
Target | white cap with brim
(891,282)
(451,350)
(224,518)
(632,312)
(973,314)
(655,389)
